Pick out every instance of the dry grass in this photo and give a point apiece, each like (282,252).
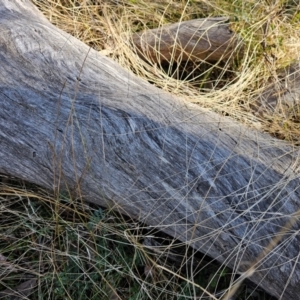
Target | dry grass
(63,249)
(270,31)
(54,247)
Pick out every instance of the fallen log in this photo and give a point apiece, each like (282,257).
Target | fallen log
(73,119)
(209,39)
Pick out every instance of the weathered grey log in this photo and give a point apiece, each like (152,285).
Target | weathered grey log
(70,117)
(283,94)
(209,39)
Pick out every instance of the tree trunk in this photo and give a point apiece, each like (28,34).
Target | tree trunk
(202,39)
(70,118)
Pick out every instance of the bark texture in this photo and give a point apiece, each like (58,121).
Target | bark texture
(207,39)
(70,117)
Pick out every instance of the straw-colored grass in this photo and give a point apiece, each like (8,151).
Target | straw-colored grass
(65,249)
(54,247)
(270,31)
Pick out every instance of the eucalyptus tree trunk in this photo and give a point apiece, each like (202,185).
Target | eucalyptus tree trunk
(73,119)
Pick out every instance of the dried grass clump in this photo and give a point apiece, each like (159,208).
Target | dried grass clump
(269,30)
(56,247)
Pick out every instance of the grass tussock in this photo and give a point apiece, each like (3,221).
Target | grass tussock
(56,247)
(269,30)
